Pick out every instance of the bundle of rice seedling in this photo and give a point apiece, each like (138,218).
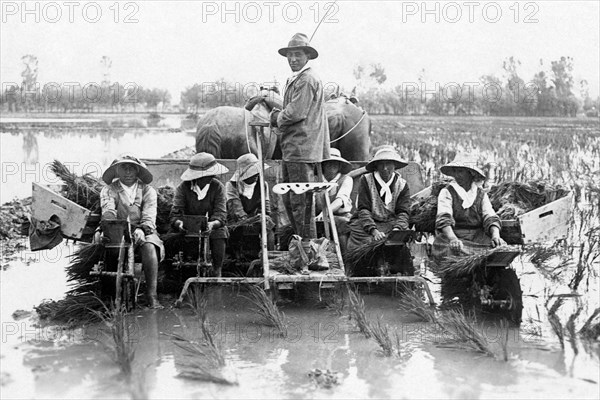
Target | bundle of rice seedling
(83,190)
(250,221)
(456,266)
(465,334)
(423,211)
(82,262)
(512,199)
(357,311)
(412,303)
(78,309)
(267,310)
(362,256)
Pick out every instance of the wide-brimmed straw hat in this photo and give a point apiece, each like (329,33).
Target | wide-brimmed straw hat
(386,154)
(111,172)
(201,165)
(462,161)
(336,156)
(299,42)
(247,165)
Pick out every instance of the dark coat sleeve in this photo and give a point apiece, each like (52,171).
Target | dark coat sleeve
(402,209)
(178,207)
(364,203)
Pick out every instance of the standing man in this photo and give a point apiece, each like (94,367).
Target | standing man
(304,131)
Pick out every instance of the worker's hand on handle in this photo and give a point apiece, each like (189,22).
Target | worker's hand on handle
(178,225)
(496,240)
(377,234)
(273,116)
(456,244)
(212,225)
(138,236)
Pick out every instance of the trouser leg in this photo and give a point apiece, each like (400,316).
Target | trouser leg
(217,249)
(297,206)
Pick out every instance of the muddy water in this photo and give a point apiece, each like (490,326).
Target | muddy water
(54,362)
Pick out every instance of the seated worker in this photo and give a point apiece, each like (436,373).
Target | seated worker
(383,200)
(465,218)
(335,169)
(243,198)
(201,193)
(129,195)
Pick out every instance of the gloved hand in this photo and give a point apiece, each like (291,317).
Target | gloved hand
(273,117)
(178,224)
(138,236)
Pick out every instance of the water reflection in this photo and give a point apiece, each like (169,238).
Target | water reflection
(30,148)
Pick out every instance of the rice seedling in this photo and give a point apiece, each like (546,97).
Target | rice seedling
(380,334)
(465,334)
(335,300)
(122,348)
(412,303)
(570,325)
(357,311)
(591,328)
(554,320)
(267,310)
(199,303)
(198,363)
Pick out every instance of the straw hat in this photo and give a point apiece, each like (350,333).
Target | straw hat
(299,42)
(247,165)
(386,154)
(111,172)
(336,156)
(462,161)
(201,165)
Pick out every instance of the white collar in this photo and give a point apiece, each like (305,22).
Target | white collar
(130,191)
(385,190)
(468,197)
(201,193)
(246,190)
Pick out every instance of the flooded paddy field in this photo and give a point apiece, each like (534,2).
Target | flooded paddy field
(323,353)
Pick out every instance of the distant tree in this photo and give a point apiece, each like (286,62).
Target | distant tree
(378,73)
(562,71)
(29,82)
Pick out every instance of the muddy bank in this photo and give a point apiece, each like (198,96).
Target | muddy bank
(14,226)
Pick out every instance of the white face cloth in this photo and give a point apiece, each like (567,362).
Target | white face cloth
(130,191)
(201,193)
(468,197)
(385,191)
(247,190)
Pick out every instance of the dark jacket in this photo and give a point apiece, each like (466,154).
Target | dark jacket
(303,122)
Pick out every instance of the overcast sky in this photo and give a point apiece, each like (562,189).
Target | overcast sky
(173,44)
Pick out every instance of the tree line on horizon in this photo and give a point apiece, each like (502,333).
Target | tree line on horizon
(551,92)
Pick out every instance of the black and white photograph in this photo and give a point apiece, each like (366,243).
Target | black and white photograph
(300,199)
